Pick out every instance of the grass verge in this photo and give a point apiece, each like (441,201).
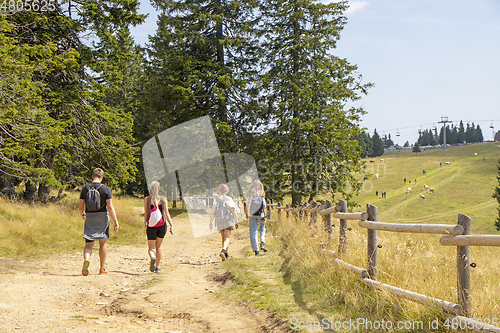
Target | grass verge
(298,281)
(34,230)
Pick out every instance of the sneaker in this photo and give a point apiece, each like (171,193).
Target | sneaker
(227,255)
(157,270)
(103,271)
(85,269)
(223,255)
(257,253)
(152,265)
(263,248)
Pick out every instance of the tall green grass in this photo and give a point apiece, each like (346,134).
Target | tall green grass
(410,261)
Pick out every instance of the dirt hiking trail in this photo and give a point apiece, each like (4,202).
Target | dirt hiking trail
(51,295)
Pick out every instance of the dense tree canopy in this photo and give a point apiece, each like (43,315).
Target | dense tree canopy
(312,145)
(56,125)
(78,93)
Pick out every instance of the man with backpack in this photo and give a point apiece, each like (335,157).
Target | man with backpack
(96,199)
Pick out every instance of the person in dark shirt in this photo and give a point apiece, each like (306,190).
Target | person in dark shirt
(96,227)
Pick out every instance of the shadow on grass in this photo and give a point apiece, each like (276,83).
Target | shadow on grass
(299,299)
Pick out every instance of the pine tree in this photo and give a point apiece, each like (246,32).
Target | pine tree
(305,89)
(365,144)
(478,134)
(204,61)
(416,148)
(377,145)
(469,134)
(70,130)
(461,132)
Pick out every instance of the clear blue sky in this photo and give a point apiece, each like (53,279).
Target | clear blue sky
(427,59)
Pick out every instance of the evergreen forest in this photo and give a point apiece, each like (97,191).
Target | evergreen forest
(77,92)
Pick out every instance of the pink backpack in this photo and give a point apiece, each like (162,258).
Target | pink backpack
(155,216)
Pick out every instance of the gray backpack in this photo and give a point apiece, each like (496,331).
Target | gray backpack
(223,215)
(93,199)
(256,205)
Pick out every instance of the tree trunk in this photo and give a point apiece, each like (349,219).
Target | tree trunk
(43,193)
(7,187)
(29,193)
(297,180)
(60,196)
(219,35)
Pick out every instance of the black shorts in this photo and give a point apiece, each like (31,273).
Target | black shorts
(156,232)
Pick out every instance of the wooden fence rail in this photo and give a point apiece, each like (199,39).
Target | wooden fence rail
(419,298)
(456,235)
(414,228)
(470,240)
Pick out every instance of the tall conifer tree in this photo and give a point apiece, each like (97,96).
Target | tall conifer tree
(312,143)
(204,62)
(74,130)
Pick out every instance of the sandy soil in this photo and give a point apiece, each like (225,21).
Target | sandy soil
(51,295)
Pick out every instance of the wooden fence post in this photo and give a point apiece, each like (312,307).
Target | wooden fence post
(268,210)
(320,206)
(463,268)
(312,221)
(279,211)
(372,244)
(328,221)
(343,228)
(287,211)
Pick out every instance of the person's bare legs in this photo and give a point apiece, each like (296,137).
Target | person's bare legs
(222,238)
(152,248)
(152,254)
(102,253)
(158,251)
(87,250)
(225,239)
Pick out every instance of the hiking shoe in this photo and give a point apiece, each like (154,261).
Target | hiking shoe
(222,255)
(157,270)
(103,271)
(263,248)
(257,253)
(152,265)
(85,269)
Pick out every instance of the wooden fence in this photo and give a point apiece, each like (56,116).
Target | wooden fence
(455,235)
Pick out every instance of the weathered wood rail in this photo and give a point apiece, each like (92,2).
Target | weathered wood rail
(455,235)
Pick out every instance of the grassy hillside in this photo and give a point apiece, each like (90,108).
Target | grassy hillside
(466,186)
(311,287)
